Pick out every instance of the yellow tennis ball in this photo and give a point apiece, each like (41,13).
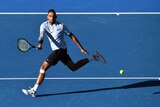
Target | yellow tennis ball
(121,71)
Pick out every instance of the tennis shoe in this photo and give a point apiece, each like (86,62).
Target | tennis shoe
(99,57)
(29,92)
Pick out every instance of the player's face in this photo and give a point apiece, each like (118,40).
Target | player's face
(51,17)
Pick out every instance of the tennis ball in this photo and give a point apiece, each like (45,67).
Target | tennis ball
(121,71)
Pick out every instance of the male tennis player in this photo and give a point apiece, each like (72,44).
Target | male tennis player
(55,32)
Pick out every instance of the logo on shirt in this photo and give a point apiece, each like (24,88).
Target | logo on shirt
(59,27)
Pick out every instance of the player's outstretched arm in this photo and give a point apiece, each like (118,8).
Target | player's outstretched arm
(73,37)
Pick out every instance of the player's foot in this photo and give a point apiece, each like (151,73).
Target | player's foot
(29,92)
(99,57)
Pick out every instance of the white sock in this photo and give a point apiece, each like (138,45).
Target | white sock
(35,87)
(91,58)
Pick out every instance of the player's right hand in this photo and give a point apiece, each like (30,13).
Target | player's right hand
(39,47)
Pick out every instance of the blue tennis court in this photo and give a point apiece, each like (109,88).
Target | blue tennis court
(128,41)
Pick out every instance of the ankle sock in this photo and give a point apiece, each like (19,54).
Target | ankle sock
(35,87)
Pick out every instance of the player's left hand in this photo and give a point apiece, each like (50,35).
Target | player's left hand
(84,51)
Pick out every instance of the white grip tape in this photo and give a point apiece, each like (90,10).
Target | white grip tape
(42,71)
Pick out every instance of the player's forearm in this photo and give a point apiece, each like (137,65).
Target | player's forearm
(40,39)
(76,41)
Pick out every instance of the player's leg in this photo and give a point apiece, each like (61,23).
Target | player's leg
(42,72)
(65,58)
(51,60)
(75,66)
(41,76)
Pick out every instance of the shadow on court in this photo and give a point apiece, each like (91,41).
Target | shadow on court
(152,83)
(157,92)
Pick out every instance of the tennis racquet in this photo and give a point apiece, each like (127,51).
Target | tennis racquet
(23,45)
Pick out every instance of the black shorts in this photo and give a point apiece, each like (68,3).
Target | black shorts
(58,55)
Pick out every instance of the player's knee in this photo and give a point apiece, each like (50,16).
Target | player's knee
(73,69)
(45,66)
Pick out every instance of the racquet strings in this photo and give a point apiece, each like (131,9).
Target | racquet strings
(23,45)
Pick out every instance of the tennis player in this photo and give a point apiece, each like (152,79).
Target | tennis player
(55,31)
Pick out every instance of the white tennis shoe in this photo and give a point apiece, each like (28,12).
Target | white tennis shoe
(29,92)
(99,57)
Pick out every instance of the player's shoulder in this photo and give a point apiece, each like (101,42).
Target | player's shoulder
(44,23)
(58,23)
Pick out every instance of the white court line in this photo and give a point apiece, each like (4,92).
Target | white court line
(88,78)
(74,13)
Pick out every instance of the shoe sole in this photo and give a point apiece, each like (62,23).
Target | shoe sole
(26,93)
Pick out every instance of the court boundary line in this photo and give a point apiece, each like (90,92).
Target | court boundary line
(87,78)
(75,13)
